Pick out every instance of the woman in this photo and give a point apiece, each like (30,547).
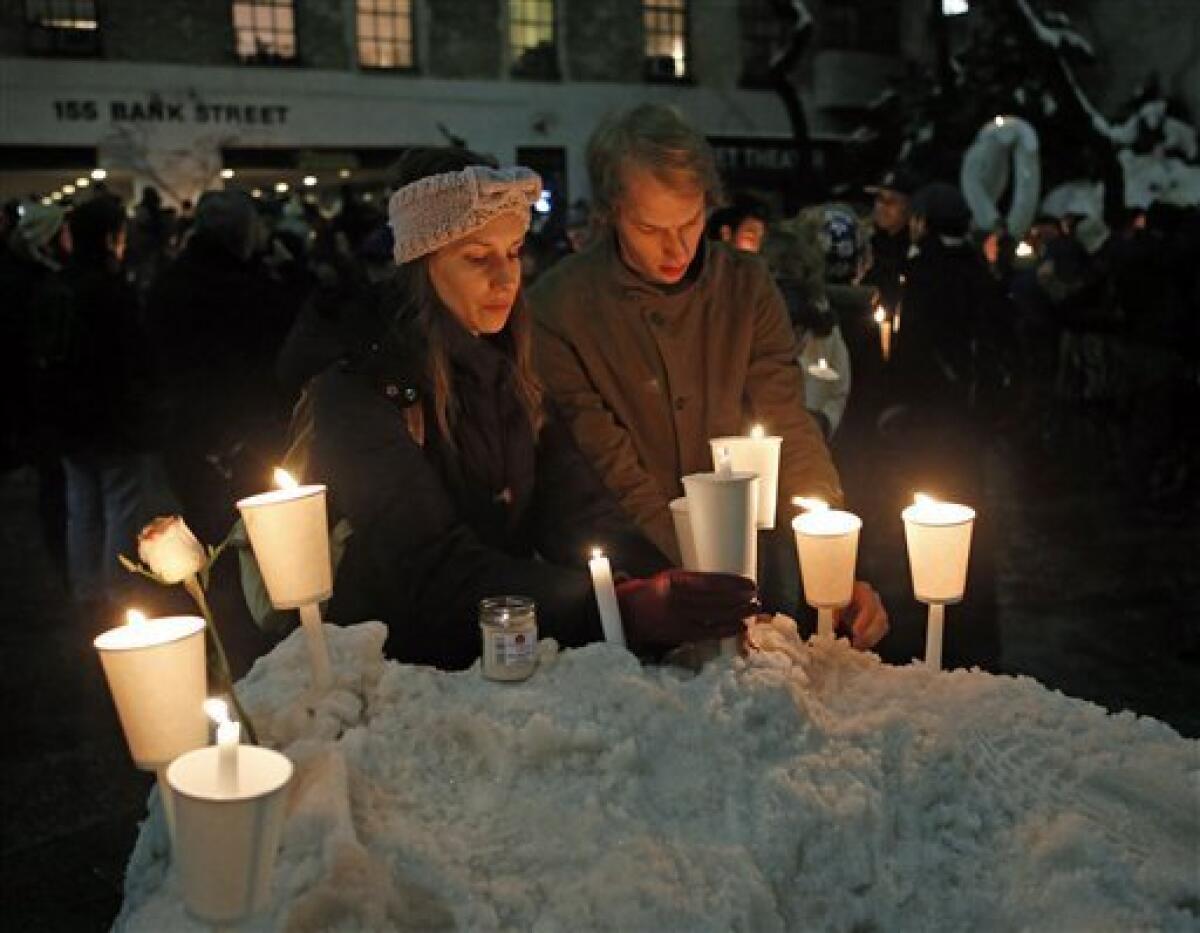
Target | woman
(804,255)
(457,478)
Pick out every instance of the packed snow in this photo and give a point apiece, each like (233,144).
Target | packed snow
(806,786)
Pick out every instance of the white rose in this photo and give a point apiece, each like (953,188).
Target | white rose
(168,547)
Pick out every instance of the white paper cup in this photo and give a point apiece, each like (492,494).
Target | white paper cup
(827,546)
(683,533)
(759,455)
(722,509)
(289,532)
(939,546)
(225,844)
(156,675)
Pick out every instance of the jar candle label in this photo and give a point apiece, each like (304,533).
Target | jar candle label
(511,647)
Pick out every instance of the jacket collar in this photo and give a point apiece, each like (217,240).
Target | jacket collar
(396,364)
(625,280)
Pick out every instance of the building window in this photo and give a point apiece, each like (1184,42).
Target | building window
(532,39)
(761,35)
(62,27)
(861,26)
(666,23)
(265,31)
(385,34)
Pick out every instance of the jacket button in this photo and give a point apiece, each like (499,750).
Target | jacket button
(410,394)
(391,390)
(679,403)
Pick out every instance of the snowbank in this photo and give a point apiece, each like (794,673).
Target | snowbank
(808,787)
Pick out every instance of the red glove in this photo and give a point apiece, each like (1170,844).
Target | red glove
(676,606)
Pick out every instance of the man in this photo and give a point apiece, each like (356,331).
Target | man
(890,240)
(743,225)
(653,341)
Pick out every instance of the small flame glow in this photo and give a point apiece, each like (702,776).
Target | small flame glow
(1024,250)
(217,710)
(809,504)
(135,617)
(880,315)
(284,479)
(921,499)
(822,363)
(597,553)
(999,121)
(757,432)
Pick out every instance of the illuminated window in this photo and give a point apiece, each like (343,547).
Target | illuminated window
(761,35)
(861,26)
(265,31)
(62,27)
(532,38)
(385,34)
(666,24)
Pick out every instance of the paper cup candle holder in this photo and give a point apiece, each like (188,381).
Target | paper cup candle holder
(229,811)
(827,548)
(288,529)
(938,535)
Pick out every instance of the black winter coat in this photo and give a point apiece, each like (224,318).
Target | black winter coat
(438,528)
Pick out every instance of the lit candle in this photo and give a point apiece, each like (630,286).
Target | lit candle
(229,737)
(823,371)
(606,598)
(1024,250)
(288,529)
(885,333)
(156,675)
(724,461)
(938,535)
(757,454)
(827,547)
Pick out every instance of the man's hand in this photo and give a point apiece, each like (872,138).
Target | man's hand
(864,621)
(677,606)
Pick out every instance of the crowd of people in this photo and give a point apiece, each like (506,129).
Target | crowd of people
(487,401)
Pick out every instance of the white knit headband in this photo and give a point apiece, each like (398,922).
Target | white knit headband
(439,209)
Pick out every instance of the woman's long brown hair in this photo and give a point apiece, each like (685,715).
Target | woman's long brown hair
(434,318)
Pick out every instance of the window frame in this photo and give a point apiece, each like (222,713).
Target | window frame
(760,12)
(649,7)
(37,12)
(512,58)
(273,59)
(843,26)
(413,50)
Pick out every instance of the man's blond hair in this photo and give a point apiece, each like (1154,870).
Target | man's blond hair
(656,138)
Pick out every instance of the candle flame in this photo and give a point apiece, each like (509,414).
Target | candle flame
(597,553)
(135,617)
(922,499)
(284,479)
(822,364)
(810,504)
(757,432)
(999,121)
(217,710)
(880,315)
(1024,249)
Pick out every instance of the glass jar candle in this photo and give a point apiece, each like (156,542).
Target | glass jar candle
(509,628)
